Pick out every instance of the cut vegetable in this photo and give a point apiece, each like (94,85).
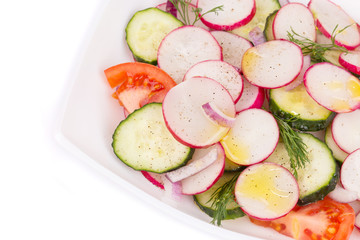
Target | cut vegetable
(233,210)
(184,47)
(145,31)
(338,154)
(357,221)
(272,64)
(263,9)
(257,36)
(350,173)
(268,30)
(342,195)
(195,166)
(184,117)
(330,17)
(230,166)
(294,17)
(252,138)
(266,191)
(297,104)
(233,14)
(203,180)
(215,114)
(346,131)
(299,79)
(154,178)
(252,97)
(233,47)
(220,71)
(137,84)
(333,87)
(143,142)
(350,61)
(319,176)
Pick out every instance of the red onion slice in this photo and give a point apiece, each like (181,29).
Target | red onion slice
(170,8)
(217,116)
(256,36)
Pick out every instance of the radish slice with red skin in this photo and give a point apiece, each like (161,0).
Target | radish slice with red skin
(333,87)
(351,61)
(193,167)
(357,221)
(222,72)
(183,114)
(346,131)
(234,14)
(192,14)
(154,178)
(350,173)
(215,114)
(266,191)
(299,79)
(252,97)
(185,46)
(272,64)
(233,47)
(329,16)
(253,137)
(294,17)
(203,180)
(342,195)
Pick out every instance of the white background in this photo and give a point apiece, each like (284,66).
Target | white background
(45,191)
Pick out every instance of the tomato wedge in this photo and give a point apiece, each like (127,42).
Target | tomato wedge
(137,84)
(325,219)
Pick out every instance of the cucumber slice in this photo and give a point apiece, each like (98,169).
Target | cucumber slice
(263,9)
(230,166)
(143,142)
(145,31)
(297,102)
(320,175)
(268,30)
(202,200)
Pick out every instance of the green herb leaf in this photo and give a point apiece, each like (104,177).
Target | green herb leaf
(221,198)
(294,145)
(314,49)
(182,7)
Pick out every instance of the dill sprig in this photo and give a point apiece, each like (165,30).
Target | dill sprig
(314,49)
(221,198)
(182,7)
(294,145)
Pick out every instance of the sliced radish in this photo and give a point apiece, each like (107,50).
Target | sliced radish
(193,167)
(350,61)
(329,16)
(350,173)
(183,114)
(272,64)
(294,17)
(256,36)
(184,47)
(333,87)
(234,13)
(192,14)
(216,115)
(346,130)
(204,179)
(154,178)
(266,191)
(220,71)
(252,97)
(253,137)
(342,195)
(299,79)
(233,47)
(357,221)
(338,154)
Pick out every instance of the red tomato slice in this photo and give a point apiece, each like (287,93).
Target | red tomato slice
(323,220)
(138,83)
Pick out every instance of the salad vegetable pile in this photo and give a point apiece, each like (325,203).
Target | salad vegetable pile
(252,107)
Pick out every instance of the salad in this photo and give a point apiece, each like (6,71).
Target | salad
(250,107)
